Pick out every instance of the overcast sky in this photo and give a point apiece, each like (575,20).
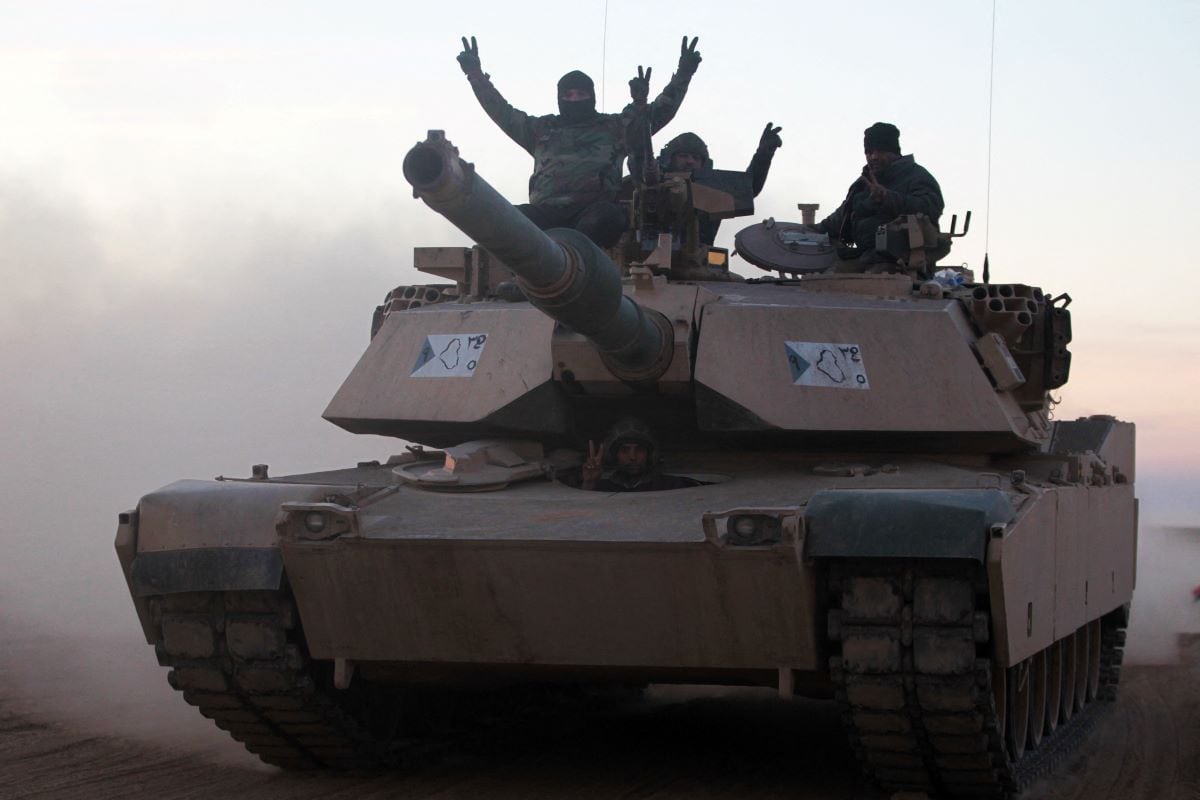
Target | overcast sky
(201,204)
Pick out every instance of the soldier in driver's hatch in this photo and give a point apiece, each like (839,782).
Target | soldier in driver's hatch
(578,153)
(631,454)
(890,185)
(688,153)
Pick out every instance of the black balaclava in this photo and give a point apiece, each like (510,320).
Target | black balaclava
(882,136)
(576,110)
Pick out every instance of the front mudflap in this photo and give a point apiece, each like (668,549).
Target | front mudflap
(211,536)
(904,523)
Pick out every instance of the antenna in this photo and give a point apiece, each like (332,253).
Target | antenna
(603,57)
(987,219)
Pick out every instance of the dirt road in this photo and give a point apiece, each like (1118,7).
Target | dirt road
(117,731)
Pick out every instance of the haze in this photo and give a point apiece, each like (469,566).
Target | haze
(201,205)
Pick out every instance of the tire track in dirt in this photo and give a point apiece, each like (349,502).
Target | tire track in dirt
(674,745)
(73,736)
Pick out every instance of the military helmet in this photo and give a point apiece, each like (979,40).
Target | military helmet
(684,143)
(626,430)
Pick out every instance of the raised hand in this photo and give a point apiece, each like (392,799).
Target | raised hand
(639,87)
(876,189)
(468,59)
(593,465)
(770,137)
(689,57)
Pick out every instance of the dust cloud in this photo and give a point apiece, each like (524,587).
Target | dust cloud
(1168,570)
(208,340)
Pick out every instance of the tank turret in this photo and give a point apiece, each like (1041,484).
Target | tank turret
(825,361)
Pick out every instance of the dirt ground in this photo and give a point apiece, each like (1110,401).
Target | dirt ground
(116,730)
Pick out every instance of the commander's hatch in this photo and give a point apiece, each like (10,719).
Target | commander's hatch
(786,247)
(483,465)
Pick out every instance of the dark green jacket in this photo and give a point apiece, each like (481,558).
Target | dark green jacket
(576,164)
(910,190)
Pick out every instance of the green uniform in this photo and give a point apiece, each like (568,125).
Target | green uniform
(910,189)
(575,163)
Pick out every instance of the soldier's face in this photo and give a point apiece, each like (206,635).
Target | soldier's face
(686,162)
(632,458)
(879,160)
(574,95)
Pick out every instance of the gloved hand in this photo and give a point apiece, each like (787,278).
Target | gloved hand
(689,59)
(468,59)
(639,87)
(770,138)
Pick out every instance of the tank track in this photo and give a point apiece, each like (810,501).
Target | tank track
(1112,653)
(239,658)
(913,676)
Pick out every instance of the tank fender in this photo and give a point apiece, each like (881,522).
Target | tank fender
(212,536)
(904,523)
(198,570)
(209,569)
(126,547)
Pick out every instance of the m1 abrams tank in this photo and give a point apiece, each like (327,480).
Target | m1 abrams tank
(886,513)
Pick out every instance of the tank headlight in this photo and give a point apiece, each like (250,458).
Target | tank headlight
(316,521)
(744,526)
(752,529)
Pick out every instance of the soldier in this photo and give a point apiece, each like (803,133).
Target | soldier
(890,185)
(632,454)
(578,153)
(688,153)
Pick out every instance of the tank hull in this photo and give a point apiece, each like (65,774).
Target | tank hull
(545,575)
(915,591)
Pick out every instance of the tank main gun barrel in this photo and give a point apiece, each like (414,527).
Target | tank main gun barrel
(561,271)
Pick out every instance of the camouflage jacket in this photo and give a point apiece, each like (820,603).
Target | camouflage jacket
(576,164)
(910,190)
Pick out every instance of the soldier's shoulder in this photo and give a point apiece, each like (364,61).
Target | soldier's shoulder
(913,164)
(923,172)
(544,122)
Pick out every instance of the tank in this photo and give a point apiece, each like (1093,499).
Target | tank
(878,507)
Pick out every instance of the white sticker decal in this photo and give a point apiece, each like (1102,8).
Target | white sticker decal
(835,366)
(450,355)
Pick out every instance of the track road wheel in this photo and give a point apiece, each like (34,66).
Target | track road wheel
(1038,699)
(1082,656)
(1000,686)
(1095,645)
(1019,693)
(1070,667)
(1054,686)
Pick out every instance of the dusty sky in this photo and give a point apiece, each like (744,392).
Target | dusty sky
(201,204)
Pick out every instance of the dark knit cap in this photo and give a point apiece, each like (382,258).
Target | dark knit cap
(575,80)
(882,136)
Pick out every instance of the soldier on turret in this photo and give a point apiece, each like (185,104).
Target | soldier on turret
(688,153)
(891,184)
(579,152)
